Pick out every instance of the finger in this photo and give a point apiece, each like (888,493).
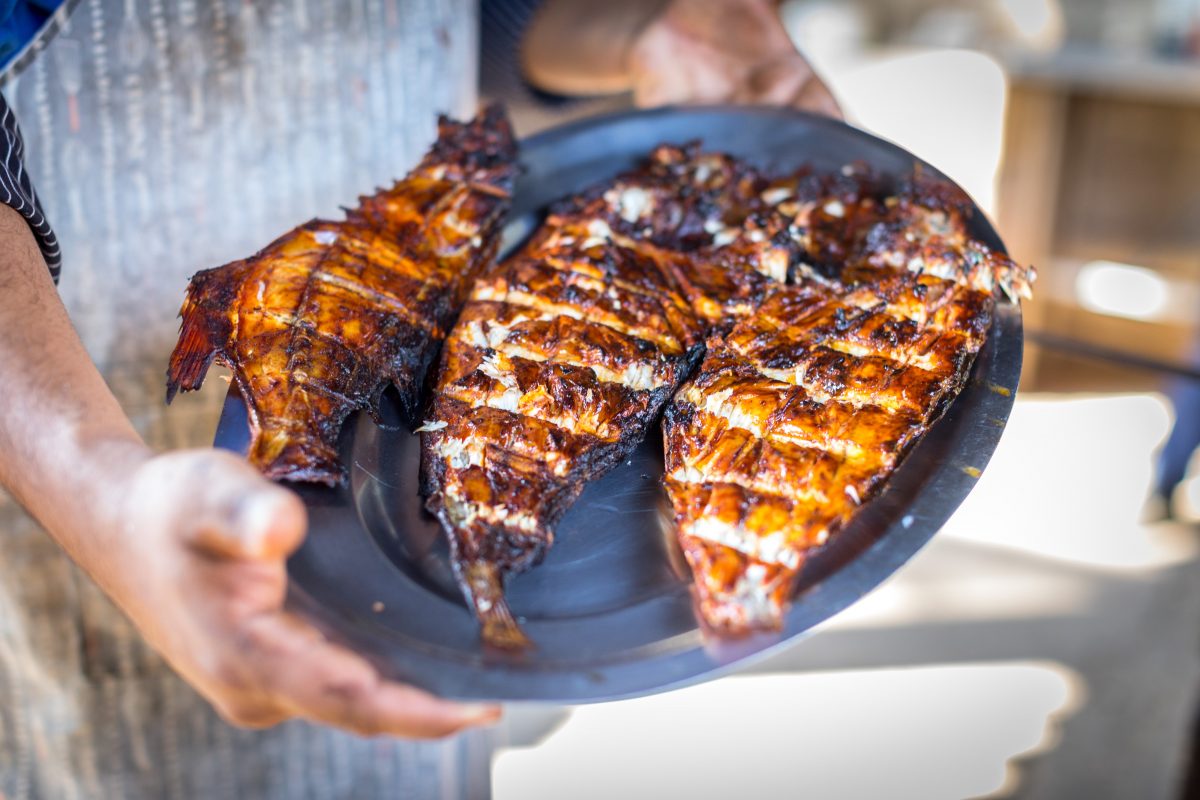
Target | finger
(815,96)
(254,714)
(656,88)
(323,682)
(647,94)
(659,75)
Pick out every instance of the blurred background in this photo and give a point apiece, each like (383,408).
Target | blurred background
(1047,643)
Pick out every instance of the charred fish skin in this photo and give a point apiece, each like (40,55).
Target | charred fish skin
(561,360)
(681,197)
(828,215)
(801,413)
(924,228)
(321,321)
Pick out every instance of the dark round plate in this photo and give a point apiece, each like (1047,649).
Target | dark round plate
(610,609)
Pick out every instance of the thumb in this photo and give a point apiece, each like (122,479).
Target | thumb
(242,515)
(269,524)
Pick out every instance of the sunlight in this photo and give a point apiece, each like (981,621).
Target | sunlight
(1122,290)
(1187,499)
(1079,500)
(931,732)
(981,590)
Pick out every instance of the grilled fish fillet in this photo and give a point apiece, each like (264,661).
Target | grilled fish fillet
(561,360)
(321,321)
(804,409)
(553,373)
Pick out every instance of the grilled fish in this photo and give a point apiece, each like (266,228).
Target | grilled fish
(317,324)
(804,409)
(562,358)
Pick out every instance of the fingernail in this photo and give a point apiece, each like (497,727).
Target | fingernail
(255,522)
(259,527)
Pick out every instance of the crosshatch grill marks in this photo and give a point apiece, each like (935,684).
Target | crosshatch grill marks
(802,411)
(528,283)
(835,341)
(570,397)
(584,333)
(514,331)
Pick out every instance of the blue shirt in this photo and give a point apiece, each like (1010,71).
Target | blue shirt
(20,21)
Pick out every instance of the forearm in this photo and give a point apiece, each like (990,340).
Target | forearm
(65,443)
(190,544)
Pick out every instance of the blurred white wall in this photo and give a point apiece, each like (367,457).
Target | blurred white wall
(944,105)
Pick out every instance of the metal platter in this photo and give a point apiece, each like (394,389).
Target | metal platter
(610,609)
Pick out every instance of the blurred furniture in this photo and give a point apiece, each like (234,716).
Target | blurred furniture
(1102,163)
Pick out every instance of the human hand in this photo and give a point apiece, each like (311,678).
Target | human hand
(723,51)
(204,579)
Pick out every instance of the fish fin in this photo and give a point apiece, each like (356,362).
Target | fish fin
(205,326)
(194,353)
(480,152)
(1016,280)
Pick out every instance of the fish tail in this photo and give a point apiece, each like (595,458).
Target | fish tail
(484,587)
(204,329)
